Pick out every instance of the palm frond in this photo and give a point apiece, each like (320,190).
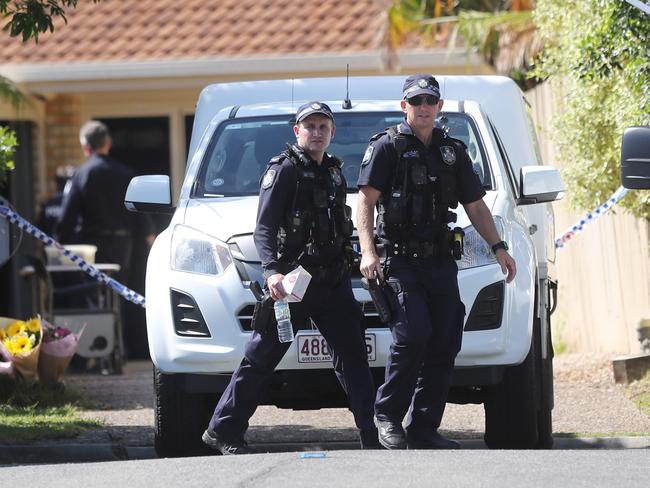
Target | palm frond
(10,93)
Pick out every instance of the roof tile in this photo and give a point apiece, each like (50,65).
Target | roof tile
(114,30)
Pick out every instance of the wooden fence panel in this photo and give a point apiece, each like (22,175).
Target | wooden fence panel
(604,271)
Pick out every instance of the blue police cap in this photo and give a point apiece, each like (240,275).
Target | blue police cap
(310,108)
(421,84)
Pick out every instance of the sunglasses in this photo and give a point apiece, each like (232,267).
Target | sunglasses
(420,99)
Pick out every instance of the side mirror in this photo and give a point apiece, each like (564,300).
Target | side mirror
(149,193)
(540,184)
(635,158)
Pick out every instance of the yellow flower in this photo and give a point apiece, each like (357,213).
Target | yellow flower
(15,328)
(19,344)
(34,325)
(3,335)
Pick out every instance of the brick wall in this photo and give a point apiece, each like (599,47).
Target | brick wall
(62,123)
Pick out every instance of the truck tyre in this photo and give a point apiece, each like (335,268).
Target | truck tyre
(518,411)
(180,417)
(510,408)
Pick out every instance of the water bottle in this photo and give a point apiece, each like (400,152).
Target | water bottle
(283,316)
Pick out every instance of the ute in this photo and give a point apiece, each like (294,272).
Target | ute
(199,271)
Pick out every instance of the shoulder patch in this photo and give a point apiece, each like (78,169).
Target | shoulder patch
(269,178)
(448,154)
(367,155)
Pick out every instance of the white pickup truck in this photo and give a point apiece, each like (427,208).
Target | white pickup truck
(199,302)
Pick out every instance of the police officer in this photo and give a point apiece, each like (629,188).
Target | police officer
(302,207)
(94,200)
(415,173)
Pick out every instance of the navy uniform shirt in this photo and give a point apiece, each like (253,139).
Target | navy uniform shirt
(380,160)
(95,194)
(277,191)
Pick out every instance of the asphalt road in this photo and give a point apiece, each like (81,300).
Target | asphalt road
(544,469)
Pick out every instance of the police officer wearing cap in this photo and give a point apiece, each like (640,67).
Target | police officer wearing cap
(414,173)
(302,219)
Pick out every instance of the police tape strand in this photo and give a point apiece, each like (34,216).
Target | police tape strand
(26,226)
(616,197)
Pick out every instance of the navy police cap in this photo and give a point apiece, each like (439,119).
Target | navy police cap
(421,84)
(310,108)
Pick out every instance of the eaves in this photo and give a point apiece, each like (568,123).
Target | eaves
(83,76)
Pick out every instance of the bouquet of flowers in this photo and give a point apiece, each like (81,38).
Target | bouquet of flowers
(58,347)
(21,342)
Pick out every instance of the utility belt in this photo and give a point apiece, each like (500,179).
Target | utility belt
(329,275)
(451,243)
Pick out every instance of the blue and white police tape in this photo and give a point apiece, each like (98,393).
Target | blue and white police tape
(616,197)
(26,226)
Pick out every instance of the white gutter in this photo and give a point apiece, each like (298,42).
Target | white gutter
(44,75)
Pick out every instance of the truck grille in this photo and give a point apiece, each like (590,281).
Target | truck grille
(370,318)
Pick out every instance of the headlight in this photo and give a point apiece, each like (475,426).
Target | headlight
(477,251)
(196,252)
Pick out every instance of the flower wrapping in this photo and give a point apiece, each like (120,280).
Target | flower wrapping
(57,349)
(22,341)
(6,367)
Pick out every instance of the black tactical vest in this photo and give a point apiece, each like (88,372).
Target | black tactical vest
(417,205)
(319,225)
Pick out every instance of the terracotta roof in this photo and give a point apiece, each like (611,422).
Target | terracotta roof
(121,30)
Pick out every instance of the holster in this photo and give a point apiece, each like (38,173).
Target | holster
(380,292)
(263,314)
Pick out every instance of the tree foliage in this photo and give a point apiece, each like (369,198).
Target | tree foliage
(598,51)
(10,93)
(26,18)
(29,18)
(501,31)
(7,145)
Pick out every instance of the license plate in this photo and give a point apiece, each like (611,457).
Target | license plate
(312,348)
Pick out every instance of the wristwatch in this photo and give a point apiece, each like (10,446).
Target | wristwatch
(500,245)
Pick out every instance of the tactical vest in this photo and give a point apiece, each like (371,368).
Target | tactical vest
(418,202)
(319,223)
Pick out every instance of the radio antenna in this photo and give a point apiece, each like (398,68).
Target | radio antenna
(347,104)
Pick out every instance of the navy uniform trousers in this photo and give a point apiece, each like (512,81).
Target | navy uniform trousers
(427,334)
(337,315)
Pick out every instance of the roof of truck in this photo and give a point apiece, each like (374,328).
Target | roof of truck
(499,97)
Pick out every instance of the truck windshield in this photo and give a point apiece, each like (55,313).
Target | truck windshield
(241,148)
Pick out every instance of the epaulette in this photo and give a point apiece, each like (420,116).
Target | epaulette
(335,161)
(377,136)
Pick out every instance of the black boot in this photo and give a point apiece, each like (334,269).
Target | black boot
(226,447)
(391,434)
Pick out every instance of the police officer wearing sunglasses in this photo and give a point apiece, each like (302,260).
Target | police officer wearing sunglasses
(414,173)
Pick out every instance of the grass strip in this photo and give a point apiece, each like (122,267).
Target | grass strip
(35,412)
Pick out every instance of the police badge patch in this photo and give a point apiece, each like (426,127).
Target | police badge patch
(448,154)
(336,176)
(367,155)
(268,179)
